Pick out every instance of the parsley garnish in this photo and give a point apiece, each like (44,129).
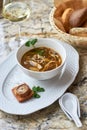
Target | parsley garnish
(36,95)
(39,89)
(36,90)
(40,52)
(31,42)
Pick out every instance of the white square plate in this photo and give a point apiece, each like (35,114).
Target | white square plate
(11,75)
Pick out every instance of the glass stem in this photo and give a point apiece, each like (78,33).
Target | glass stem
(19,31)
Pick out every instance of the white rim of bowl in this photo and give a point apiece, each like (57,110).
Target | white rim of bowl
(41,71)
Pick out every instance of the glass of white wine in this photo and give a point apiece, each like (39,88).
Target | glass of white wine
(16,11)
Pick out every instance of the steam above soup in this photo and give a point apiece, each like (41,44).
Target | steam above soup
(41,59)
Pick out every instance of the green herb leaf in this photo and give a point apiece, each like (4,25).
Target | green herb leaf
(28,43)
(36,95)
(34,89)
(39,89)
(31,42)
(40,52)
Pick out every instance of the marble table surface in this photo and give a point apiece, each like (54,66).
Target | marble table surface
(52,117)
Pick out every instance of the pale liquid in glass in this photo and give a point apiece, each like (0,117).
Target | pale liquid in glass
(16,11)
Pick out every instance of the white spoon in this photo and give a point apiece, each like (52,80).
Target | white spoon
(62,107)
(70,105)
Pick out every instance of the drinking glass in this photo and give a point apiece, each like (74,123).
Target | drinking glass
(16,11)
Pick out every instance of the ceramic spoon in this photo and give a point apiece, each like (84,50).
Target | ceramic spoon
(70,105)
(62,107)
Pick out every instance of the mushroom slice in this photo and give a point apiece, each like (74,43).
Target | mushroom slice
(35,64)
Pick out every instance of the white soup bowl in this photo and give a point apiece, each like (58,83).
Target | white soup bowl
(43,42)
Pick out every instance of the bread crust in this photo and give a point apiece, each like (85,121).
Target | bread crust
(76,4)
(82,32)
(71,16)
(59,24)
(65,18)
(78,17)
(22,92)
(59,10)
(84,24)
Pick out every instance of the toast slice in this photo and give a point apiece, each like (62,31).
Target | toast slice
(22,92)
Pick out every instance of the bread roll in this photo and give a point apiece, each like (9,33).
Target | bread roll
(59,10)
(85,24)
(65,18)
(82,32)
(59,24)
(78,17)
(84,3)
(76,4)
(57,2)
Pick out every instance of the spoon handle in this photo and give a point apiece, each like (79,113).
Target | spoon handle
(77,121)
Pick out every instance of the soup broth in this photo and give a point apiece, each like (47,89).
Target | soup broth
(41,59)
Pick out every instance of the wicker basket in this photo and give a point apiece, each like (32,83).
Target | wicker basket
(73,40)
